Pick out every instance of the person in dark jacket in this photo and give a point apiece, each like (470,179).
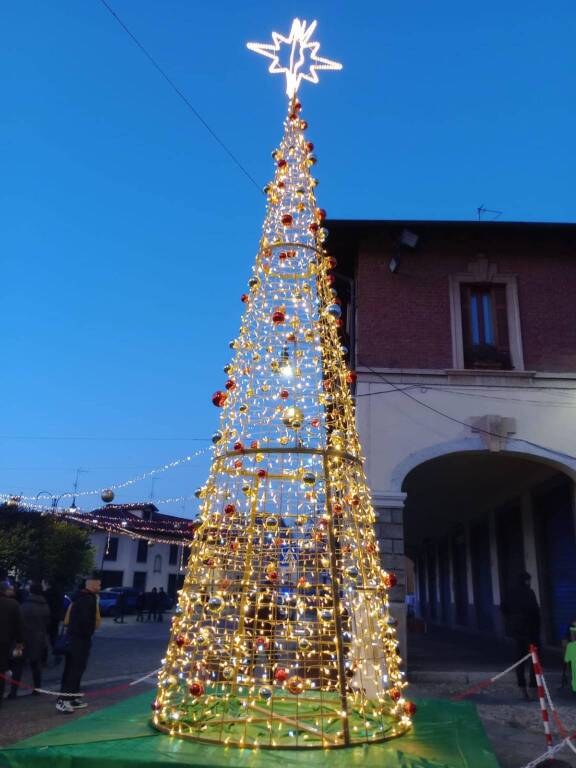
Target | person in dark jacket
(140,605)
(36,616)
(82,619)
(152,604)
(120,607)
(55,599)
(523,615)
(11,630)
(162,602)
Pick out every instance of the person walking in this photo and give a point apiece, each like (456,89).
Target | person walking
(11,630)
(120,608)
(55,599)
(161,605)
(36,617)
(140,605)
(82,620)
(523,614)
(152,604)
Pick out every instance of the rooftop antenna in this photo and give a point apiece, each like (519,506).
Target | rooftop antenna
(481,210)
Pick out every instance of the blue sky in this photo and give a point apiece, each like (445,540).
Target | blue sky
(127,235)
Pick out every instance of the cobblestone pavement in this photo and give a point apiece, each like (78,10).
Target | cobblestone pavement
(123,652)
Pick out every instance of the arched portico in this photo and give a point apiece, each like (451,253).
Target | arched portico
(472,519)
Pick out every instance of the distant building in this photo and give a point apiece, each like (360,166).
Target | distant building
(463,335)
(139,563)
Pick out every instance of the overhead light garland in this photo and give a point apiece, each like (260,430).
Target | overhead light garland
(283,636)
(125,484)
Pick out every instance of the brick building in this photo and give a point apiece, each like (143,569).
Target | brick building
(464,340)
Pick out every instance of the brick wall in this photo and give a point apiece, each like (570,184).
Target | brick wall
(403,319)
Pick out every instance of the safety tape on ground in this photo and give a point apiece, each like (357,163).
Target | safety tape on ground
(79,695)
(545,756)
(485,683)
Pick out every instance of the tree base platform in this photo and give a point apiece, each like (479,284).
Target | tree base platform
(445,735)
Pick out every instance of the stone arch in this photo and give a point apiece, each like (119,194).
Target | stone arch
(514,447)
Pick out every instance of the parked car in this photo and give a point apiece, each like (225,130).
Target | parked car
(109,600)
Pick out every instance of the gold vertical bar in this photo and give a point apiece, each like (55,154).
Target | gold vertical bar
(335,581)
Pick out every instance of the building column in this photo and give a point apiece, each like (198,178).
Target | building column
(529,540)
(495,573)
(389,510)
(472,618)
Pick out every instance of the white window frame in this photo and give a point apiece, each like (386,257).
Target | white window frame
(482,272)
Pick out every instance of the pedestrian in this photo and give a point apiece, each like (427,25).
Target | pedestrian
(36,616)
(523,614)
(11,630)
(119,607)
(82,619)
(152,604)
(140,605)
(161,605)
(55,599)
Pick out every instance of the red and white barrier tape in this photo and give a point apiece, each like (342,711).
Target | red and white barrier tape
(485,683)
(99,692)
(541,695)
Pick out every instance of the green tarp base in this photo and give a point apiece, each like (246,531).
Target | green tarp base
(445,735)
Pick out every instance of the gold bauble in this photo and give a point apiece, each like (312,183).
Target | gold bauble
(292,417)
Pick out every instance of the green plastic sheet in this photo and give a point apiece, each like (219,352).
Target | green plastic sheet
(445,735)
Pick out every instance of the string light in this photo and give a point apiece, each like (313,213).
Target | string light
(126,483)
(283,636)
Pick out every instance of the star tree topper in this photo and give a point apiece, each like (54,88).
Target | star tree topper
(303,53)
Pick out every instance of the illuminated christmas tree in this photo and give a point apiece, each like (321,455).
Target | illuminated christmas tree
(283,636)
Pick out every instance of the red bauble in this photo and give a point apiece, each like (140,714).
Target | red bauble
(230,384)
(290,254)
(284,394)
(272,575)
(155,706)
(390,580)
(254,444)
(180,641)
(282,255)
(281,184)
(281,675)
(395,694)
(331,262)
(244,298)
(303,125)
(351,377)
(287,219)
(281,163)
(219,398)
(197,688)
(238,464)
(315,422)
(410,708)
(229,509)
(314,227)
(291,337)
(310,146)
(337,509)
(263,641)
(261,473)
(297,106)
(278,316)
(238,447)
(320,214)
(330,279)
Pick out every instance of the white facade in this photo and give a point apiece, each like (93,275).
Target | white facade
(126,570)
(448,454)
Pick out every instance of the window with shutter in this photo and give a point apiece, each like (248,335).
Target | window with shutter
(485,326)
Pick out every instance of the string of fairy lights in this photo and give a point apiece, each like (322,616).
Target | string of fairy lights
(283,636)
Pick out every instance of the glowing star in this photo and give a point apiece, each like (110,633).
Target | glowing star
(302,52)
